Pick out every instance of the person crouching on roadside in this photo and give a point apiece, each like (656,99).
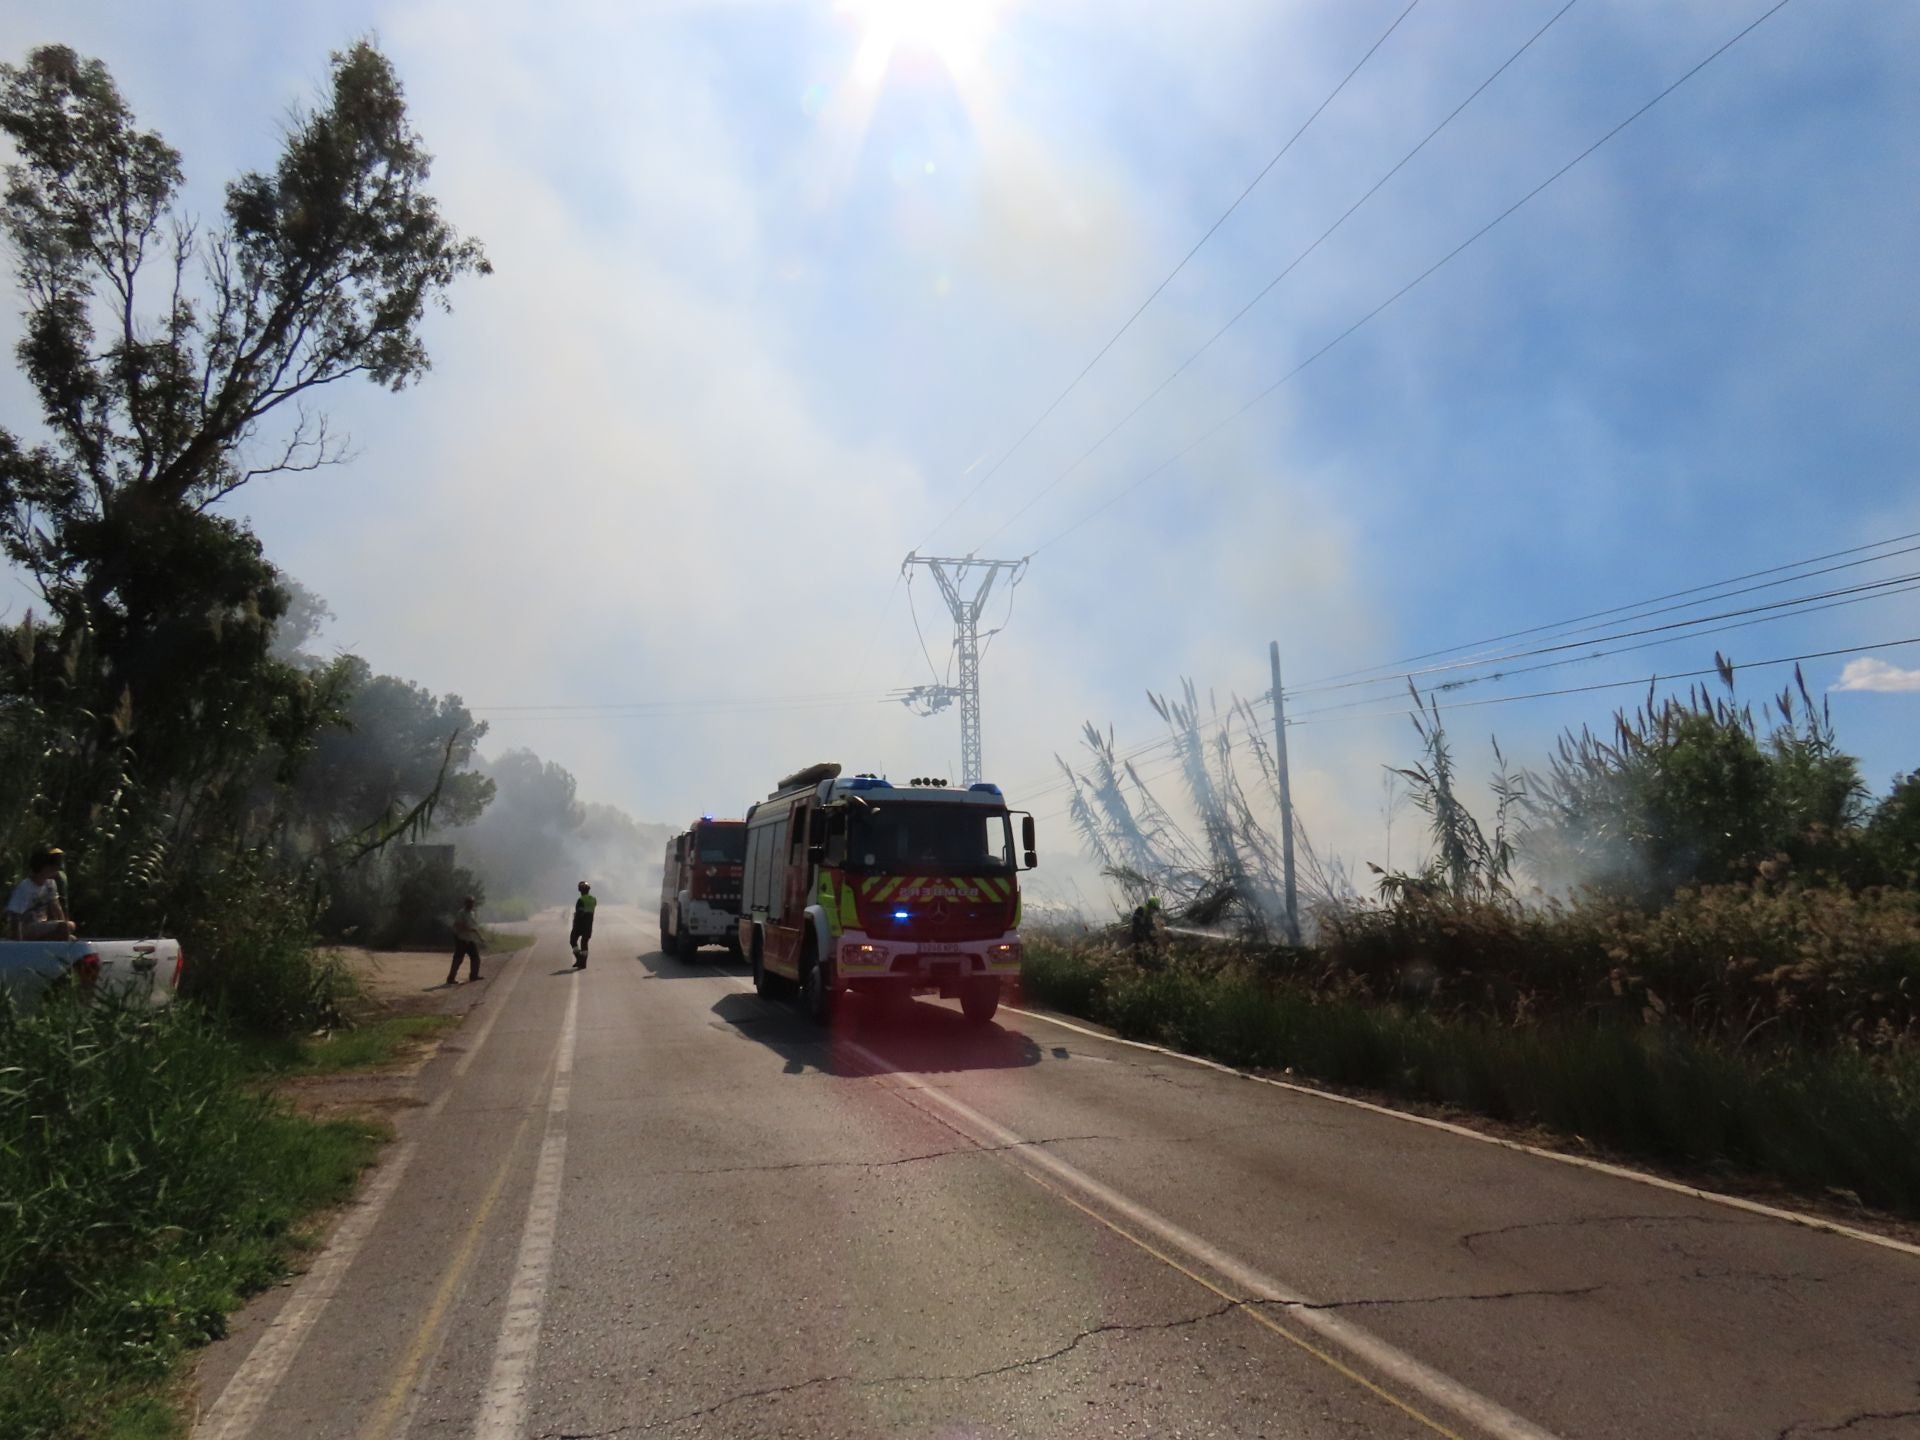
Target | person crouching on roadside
(582,932)
(466,941)
(34,911)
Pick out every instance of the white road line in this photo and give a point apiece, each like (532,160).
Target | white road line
(503,1410)
(236,1413)
(1414,1375)
(1560,1157)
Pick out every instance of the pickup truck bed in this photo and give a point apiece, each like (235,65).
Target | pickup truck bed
(146,971)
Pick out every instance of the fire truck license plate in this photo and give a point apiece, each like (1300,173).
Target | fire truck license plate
(942,967)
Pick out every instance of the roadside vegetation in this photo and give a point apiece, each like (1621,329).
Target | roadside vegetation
(147,1185)
(1696,940)
(363,1046)
(166,719)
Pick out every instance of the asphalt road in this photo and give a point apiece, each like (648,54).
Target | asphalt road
(638,1200)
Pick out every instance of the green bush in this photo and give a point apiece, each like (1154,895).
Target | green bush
(1772,962)
(1695,791)
(407,895)
(145,1189)
(251,956)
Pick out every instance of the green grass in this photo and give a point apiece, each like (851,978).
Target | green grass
(379,1042)
(366,1046)
(1832,1119)
(505,942)
(146,1188)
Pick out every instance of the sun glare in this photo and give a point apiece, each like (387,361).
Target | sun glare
(953,32)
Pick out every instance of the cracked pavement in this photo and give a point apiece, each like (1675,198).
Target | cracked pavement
(883,1381)
(765,1230)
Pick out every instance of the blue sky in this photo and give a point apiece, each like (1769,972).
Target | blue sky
(760,304)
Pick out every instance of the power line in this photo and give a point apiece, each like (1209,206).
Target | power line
(1636,681)
(1395,665)
(1620,684)
(1470,662)
(1287,270)
(1452,685)
(1646,614)
(1006,619)
(1101,353)
(918,634)
(1790,605)
(1793,607)
(1405,289)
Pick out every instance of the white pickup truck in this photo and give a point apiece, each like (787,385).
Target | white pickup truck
(143,971)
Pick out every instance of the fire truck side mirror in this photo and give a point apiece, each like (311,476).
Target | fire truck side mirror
(1026,841)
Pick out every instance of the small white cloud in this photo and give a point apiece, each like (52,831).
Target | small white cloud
(1867,673)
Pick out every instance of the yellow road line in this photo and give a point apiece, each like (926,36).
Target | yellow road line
(235,1414)
(407,1373)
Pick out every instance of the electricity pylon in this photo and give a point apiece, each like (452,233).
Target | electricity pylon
(950,575)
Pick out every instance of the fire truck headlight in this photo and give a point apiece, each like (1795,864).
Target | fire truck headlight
(865,954)
(1007,950)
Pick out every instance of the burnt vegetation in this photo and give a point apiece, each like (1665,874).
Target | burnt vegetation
(1695,936)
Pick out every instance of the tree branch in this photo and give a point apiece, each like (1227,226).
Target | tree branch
(304,452)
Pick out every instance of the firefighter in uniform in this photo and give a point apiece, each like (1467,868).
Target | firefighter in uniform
(1149,934)
(582,931)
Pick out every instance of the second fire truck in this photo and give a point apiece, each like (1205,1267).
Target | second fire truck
(700,886)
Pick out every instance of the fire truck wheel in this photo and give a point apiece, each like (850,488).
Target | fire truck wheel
(979,999)
(684,945)
(666,935)
(766,986)
(819,993)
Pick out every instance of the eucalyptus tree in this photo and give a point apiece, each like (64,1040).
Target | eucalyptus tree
(175,361)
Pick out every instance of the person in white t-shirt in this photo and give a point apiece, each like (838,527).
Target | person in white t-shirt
(34,911)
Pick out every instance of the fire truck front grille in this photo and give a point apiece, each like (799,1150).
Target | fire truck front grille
(957,922)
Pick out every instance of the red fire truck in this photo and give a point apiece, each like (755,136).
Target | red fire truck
(700,886)
(856,884)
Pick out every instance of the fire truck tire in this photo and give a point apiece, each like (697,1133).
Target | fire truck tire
(818,992)
(684,945)
(666,935)
(767,987)
(979,999)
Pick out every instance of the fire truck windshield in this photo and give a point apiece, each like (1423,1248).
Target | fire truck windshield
(930,839)
(723,844)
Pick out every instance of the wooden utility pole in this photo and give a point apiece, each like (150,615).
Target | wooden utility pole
(1286,797)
